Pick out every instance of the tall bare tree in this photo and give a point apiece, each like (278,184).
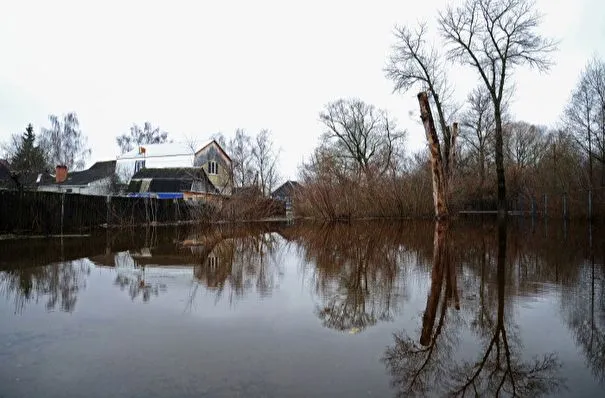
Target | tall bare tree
(416,63)
(265,159)
(364,138)
(137,136)
(240,150)
(64,142)
(584,115)
(495,37)
(478,130)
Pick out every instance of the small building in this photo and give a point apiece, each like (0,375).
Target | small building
(286,191)
(172,183)
(209,156)
(99,179)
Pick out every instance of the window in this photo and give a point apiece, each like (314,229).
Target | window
(138,165)
(212,167)
(212,262)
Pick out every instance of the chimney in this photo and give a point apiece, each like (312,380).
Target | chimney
(60,174)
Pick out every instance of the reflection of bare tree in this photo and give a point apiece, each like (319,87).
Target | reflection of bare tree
(417,368)
(237,265)
(354,272)
(58,283)
(584,306)
(499,369)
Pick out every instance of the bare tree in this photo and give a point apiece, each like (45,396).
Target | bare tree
(366,139)
(494,37)
(414,62)
(584,115)
(478,130)
(524,144)
(240,150)
(265,160)
(138,136)
(64,142)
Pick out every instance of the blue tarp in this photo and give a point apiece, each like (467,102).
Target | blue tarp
(156,195)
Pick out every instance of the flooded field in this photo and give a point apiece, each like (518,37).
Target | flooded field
(352,310)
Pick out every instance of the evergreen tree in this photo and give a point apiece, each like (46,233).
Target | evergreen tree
(28,157)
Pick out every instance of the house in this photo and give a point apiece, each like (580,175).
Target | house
(30,180)
(172,183)
(209,156)
(286,191)
(99,179)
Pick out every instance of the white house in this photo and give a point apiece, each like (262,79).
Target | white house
(97,180)
(209,156)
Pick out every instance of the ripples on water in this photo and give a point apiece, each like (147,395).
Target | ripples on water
(361,309)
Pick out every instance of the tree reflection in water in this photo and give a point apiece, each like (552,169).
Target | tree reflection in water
(354,270)
(584,310)
(57,283)
(430,367)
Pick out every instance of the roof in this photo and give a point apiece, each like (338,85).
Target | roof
(166,149)
(170,172)
(175,179)
(97,171)
(286,189)
(219,147)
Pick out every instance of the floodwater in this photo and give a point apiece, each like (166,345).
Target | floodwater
(353,310)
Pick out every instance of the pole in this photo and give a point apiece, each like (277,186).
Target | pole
(565,216)
(590,204)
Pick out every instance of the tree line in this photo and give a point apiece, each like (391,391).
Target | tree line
(480,156)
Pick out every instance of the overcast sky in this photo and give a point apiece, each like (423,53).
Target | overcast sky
(195,68)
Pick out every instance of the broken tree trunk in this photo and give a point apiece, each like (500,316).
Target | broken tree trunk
(440,190)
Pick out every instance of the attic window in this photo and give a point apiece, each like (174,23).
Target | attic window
(139,165)
(212,167)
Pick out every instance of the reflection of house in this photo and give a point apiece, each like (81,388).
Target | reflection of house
(209,156)
(286,191)
(183,182)
(97,180)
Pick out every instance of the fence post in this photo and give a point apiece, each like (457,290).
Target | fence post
(62,211)
(590,204)
(565,216)
(108,202)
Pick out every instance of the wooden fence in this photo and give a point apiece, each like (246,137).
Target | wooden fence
(62,213)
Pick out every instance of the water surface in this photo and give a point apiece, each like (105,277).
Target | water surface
(362,309)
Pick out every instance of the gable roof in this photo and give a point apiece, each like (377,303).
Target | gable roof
(286,189)
(97,171)
(170,173)
(171,179)
(218,145)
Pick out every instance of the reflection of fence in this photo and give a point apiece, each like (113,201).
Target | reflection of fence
(54,213)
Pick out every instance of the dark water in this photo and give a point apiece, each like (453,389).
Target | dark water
(367,309)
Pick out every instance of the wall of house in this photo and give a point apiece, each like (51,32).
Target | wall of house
(125,168)
(222,180)
(98,188)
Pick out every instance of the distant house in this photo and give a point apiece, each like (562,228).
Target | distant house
(172,183)
(7,178)
(210,156)
(286,191)
(97,180)
(29,180)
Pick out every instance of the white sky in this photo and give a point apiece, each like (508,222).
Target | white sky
(195,68)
